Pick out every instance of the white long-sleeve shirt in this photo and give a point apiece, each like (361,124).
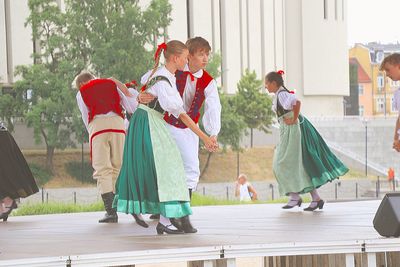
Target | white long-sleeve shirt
(128,103)
(212,105)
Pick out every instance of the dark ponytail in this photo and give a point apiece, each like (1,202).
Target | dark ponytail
(276,76)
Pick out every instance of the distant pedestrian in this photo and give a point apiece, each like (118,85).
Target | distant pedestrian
(244,190)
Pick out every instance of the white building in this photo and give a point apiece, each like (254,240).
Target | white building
(306,38)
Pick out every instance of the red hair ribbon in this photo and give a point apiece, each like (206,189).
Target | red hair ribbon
(292,92)
(190,74)
(159,48)
(144,87)
(280,72)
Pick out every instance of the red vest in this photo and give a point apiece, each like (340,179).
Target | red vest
(198,99)
(101,96)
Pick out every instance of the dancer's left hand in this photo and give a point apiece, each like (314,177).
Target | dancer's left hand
(290,121)
(145,98)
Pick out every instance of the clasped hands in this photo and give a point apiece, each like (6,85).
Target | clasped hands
(211,143)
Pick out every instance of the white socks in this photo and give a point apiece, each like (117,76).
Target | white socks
(140,216)
(293,199)
(314,195)
(166,222)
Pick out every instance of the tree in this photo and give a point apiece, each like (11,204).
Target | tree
(253,104)
(214,64)
(9,109)
(112,37)
(48,110)
(233,125)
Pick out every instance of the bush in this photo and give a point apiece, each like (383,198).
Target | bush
(74,168)
(41,175)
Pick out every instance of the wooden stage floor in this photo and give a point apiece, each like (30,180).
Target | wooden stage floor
(246,226)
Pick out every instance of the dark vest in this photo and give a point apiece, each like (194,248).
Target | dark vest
(198,99)
(101,96)
(280,111)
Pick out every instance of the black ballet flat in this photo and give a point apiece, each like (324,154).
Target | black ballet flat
(287,206)
(161,229)
(320,205)
(155,216)
(140,221)
(4,215)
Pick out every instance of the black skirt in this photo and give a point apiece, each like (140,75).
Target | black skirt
(16,179)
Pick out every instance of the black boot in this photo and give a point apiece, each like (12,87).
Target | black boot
(111,214)
(177,223)
(187,227)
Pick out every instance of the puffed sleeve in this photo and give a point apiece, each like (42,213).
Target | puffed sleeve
(168,97)
(129,103)
(212,109)
(287,100)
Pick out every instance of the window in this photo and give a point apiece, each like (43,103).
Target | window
(380,82)
(360,89)
(380,104)
(392,109)
(361,110)
(394,83)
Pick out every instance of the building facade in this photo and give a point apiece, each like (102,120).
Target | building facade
(375,89)
(259,35)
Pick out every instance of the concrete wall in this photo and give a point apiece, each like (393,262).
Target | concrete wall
(18,47)
(316,55)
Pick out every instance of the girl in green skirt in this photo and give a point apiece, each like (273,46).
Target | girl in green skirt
(302,160)
(152,178)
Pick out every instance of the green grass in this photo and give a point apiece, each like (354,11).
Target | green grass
(56,207)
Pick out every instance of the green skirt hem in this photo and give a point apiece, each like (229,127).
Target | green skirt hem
(169,209)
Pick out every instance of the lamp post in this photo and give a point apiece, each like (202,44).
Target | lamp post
(365,122)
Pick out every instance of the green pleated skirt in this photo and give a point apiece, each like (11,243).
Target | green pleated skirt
(287,163)
(320,163)
(152,178)
(302,160)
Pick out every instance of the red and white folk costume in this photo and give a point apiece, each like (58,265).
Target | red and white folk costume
(101,102)
(195,89)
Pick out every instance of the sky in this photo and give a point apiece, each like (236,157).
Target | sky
(373,20)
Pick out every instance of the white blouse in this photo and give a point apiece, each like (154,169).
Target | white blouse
(168,96)
(212,105)
(286,99)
